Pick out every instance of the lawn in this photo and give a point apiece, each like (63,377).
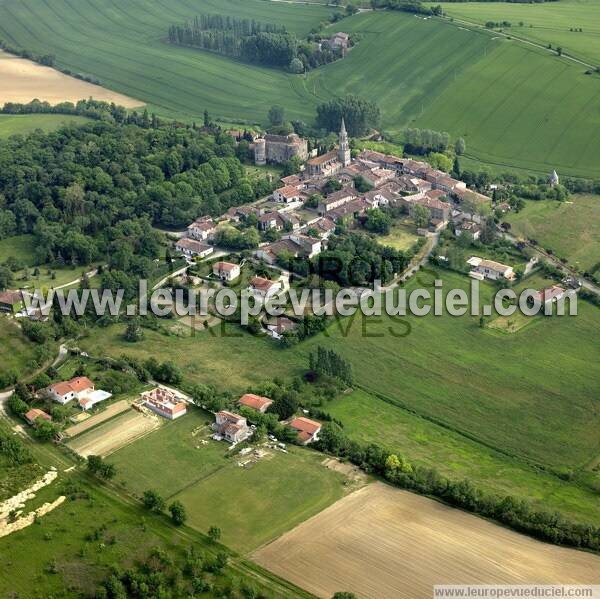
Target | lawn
(251,505)
(515,105)
(401,237)
(545,23)
(224,356)
(171,458)
(570,229)
(427,444)
(254,505)
(24,124)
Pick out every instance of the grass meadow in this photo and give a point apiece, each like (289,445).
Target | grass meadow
(544,23)
(570,229)
(251,505)
(430,445)
(24,124)
(530,394)
(515,105)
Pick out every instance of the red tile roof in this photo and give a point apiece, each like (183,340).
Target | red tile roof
(256,402)
(34,414)
(75,385)
(305,425)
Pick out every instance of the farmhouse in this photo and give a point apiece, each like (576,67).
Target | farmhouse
(340,40)
(287,194)
(308,430)
(34,414)
(226,271)
(255,402)
(469,227)
(231,427)
(489,269)
(191,248)
(431,200)
(324,227)
(77,388)
(164,403)
(550,295)
(262,287)
(293,245)
(11,301)
(202,229)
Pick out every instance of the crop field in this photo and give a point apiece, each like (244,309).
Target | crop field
(570,229)
(428,444)
(24,124)
(23,80)
(546,23)
(515,105)
(385,542)
(251,505)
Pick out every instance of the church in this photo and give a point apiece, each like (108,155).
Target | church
(331,163)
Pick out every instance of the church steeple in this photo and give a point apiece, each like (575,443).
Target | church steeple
(344,149)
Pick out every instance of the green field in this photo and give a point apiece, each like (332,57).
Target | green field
(430,445)
(251,505)
(401,237)
(515,105)
(503,390)
(545,23)
(570,229)
(23,124)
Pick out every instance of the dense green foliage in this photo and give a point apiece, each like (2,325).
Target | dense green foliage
(94,192)
(359,114)
(13,450)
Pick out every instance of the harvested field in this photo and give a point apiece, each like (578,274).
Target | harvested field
(23,80)
(385,542)
(88,423)
(108,437)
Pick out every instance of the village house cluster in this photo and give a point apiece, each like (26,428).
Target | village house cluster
(304,228)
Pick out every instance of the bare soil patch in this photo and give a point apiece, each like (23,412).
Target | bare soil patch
(113,435)
(23,80)
(88,423)
(384,542)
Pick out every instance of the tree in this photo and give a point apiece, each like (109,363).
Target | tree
(344,595)
(378,221)
(153,501)
(276,115)
(359,115)
(97,466)
(296,66)
(178,513)
(421,215)
(44,430)
(134,332)
(214,533)
(460,147)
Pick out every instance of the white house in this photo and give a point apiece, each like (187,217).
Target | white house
(263,288)
(66,391)
(226,271)
(191,248)
(286,194)
(490,269)
(231,427)
(202,229)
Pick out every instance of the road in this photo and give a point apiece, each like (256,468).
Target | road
(512,36)
(540,253)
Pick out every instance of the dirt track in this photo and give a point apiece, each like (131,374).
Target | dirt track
(22,80)
(385,542)
(112,410)
(107,438)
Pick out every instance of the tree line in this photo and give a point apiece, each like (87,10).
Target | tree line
(253,42)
